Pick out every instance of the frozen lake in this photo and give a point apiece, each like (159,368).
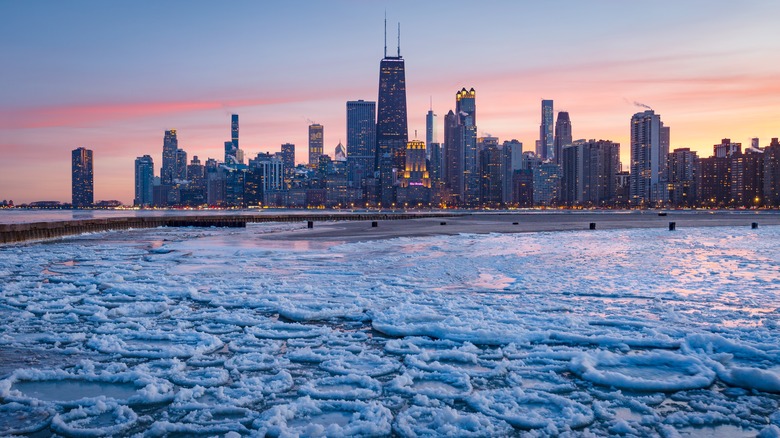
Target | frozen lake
(220,332)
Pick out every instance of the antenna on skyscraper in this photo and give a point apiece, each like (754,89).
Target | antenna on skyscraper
(399,39)
(431,103)
(385,34)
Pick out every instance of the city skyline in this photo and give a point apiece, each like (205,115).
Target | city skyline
(105,89)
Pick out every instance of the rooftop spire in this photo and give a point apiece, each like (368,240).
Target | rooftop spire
(399,39)
(385,34)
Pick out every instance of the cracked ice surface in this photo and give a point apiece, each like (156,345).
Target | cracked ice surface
(214,332)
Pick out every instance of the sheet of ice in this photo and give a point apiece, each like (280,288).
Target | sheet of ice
(307,417)
(102,419)
(419,421)
(217,332)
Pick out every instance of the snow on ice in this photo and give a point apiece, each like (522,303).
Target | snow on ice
(218,332)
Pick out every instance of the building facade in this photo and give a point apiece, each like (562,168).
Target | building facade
(82,184)
(361,141)
(563,135)
(144,181)
(649,152)
(546,147)
(316,143)
(391,123)
(683,170)
(170,146)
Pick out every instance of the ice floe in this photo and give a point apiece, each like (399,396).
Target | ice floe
(99,420)
(307,417)
(172,332)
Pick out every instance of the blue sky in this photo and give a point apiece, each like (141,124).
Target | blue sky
(112,76)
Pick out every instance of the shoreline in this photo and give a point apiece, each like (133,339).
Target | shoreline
(345,227)
(530,222)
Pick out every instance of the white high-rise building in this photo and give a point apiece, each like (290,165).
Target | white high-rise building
(431,130)
(649,154)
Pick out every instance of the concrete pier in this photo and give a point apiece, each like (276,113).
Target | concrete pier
(14,233)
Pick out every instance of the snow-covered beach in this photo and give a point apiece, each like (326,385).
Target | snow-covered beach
(411,328)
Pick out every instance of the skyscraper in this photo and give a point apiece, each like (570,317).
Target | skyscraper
(431,131)
(772,173)
(453,156)
(361,140)
(288,158)
(562,135)
(231,147)
(682,175)
(545,149)
(391,121)
(466,113)
(316,142)
(180,169)
(234,130)
(82,187)
(649,154)
(415,183)
(144,181)
(170,145)
(491,168)
(589,172)
(513,154)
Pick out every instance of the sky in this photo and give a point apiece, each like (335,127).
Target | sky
(112,76)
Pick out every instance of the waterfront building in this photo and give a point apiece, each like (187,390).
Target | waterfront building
(545,148)
(361,142)
(391,122)
(170,146)
(82,182)
(747,178)
(714,183)
(546,184)
(144,181)
(288,159)
(414,184)
(453,156)
(683,170)
(649,152)
(271,171)
(491,168)
(466,113)
(512,159)
(523,188)
(180,166)
(772,174)
(316,144)
(563,135)
(589,173)
(232,155)
(431,131)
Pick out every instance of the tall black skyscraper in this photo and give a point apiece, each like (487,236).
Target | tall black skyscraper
(391,120)
(82,182)
(170,145)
